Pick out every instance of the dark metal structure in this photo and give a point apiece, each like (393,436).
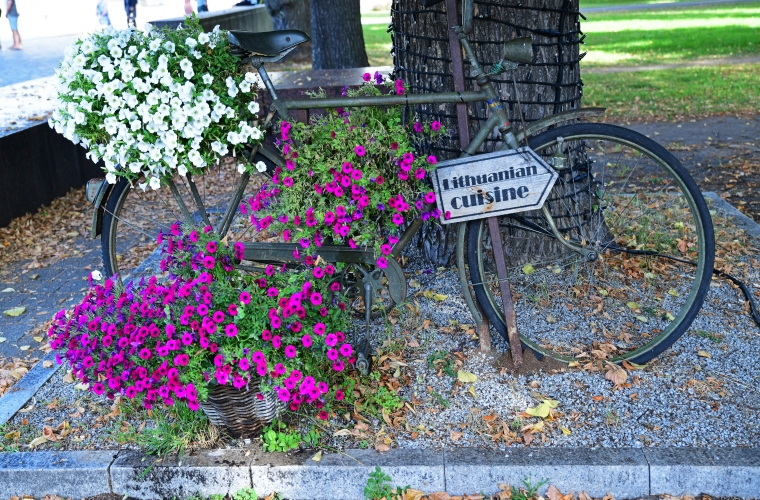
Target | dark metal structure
(423,49)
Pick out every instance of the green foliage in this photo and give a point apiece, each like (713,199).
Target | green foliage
(527,491)
(713,337)
(675,92)
(440,360)
(245,494)
(311,438)
(378,486)
(277,437)
(174,431)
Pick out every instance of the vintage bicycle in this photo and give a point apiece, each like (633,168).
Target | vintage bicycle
(615,264)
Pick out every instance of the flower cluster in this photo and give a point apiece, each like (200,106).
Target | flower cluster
(157,103)
(351,176)
(165,339)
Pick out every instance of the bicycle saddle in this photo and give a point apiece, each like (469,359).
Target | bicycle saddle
(267,43)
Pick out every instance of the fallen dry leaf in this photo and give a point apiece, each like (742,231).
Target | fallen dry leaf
(543,409)
(47,364)
(38,441)
(455,436)
(382,447)
(411,494)
(15,311)
(439,495)
(704,354)
(317,456)
(466,377)
(554,494)
(583,496)
(616,374)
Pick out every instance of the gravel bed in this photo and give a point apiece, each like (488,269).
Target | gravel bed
(680,399)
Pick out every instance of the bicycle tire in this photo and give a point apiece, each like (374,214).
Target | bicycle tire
(676,205)
(157,211)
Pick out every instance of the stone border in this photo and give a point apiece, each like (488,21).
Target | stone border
(744,222)
(620,472)
(23,390)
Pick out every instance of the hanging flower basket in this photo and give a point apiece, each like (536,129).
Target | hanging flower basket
(241,412)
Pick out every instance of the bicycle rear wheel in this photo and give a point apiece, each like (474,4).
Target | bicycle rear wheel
(132,219)
(632,202)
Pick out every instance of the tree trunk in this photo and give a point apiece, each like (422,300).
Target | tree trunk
(292,15)
(337,38)
(422,58)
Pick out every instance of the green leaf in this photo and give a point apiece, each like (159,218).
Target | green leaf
(673,292)
(632,305)
(466,377)
(15,311)
(528,269)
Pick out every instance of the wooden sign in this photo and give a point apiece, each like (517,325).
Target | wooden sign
(485,185)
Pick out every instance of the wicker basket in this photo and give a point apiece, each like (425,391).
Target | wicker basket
(240,412)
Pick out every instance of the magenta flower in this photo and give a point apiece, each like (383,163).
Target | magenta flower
(397,219)
(436,125)
(430,197)
(418,127)
(276,342)
(332,354)
(331,339)
(208,262)
(316,298)
(346,350)
(359,150)
(211,247)
(290,351)
(231,330)
(338,366)
(245,298)
(339,395)
(275,322)
(366,77)
(306,340)
(218,317)
(447,215)
(272,292)
(287,182)
(319,329)
(382,262)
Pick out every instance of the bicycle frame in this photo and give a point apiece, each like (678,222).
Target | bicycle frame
(498,120)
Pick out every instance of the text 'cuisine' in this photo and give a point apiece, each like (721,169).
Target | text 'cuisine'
(491,195)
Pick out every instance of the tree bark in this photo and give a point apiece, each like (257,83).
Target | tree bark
(337,38)
(292,15)
(422,58)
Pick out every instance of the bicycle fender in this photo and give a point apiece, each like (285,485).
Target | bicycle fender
(99,202)
(272,155)
(573,114)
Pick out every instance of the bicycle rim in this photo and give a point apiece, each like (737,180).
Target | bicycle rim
(631,201)
(133,218)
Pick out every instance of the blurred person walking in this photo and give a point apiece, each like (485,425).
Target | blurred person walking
(102,13)
(12,16)
(202,6)
(130,6)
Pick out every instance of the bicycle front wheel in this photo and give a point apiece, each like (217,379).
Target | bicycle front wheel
(630,202)
(132,219)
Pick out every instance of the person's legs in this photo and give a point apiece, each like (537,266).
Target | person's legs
(130,6)
(13,21)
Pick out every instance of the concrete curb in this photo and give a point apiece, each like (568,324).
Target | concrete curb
(26,387)
(621,472)
(744,222)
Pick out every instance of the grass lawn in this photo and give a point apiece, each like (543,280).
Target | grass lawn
(674,35)
(652,37)
(675,93)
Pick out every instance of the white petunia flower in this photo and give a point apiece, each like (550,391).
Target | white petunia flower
(232,91)
(253,107)
(135,167)
(182,170)
(207,79)
(96,275)
(135,125)
(111,178)
(169,46)
(203,38)
(155,44)
(191,42)
(155,183)
(241,167)
(261,166)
